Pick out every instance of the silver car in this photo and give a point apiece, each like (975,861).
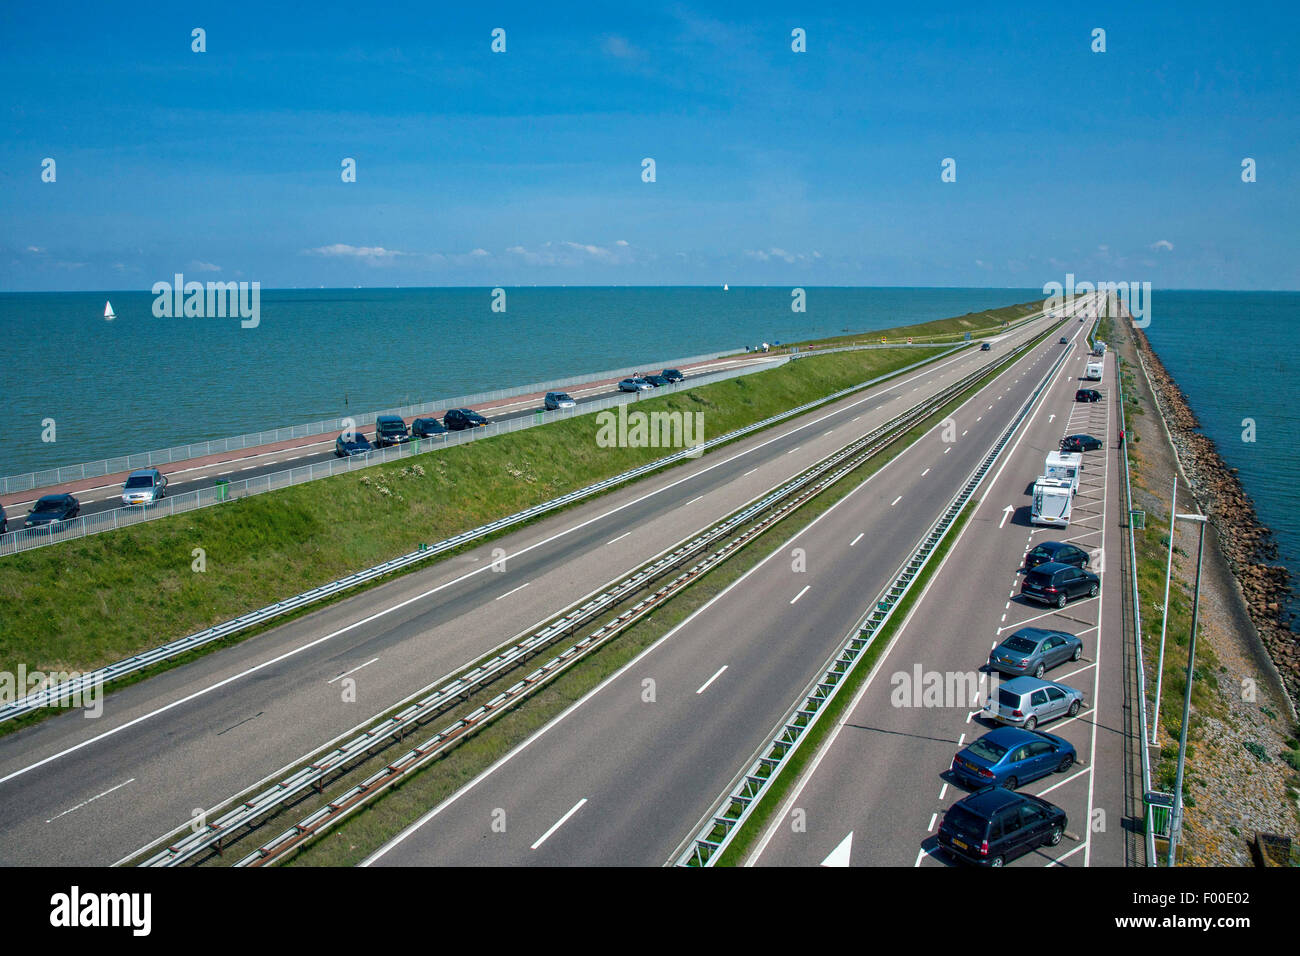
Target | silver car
(556,400)
(144,487)
(1027,702)
(634,385)
(1032,650)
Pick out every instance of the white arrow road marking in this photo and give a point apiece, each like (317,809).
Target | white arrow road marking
(1050,417)
(1006,513)
(559,823)
(840,855)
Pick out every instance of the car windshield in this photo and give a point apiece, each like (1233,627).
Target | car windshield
(987,750)
(1020,645)
(140,481)
(49,504)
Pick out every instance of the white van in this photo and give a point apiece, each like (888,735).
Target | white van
(1093,372)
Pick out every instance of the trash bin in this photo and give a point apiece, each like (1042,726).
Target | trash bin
(222,488)
(1159,807)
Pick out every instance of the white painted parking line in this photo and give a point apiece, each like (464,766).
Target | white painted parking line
(705,685)
(793,450)
(559,823)
(857,539)
(508,593)
(748,473)
(353,671)
(924,473)
(693,500)
(801,593)
(91,800)
(619,538)
(896,501)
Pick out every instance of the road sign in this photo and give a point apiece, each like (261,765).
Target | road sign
(1137,520)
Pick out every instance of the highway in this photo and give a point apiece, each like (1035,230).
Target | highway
(77,791)
(878,789)
(621,778)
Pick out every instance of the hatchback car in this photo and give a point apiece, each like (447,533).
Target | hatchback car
(996,825)
(390,430)
(1057,551)
(556,400)
(1056,584)
(144,487)
(351,443)
(1009,756)
(1032,650)
(1064,341)
(1087,395)
(51,509)
(1080,443)
(986,347)
(673,375)
(458,419)
(427,428)
(634,385)
(658,381)
(1029,701)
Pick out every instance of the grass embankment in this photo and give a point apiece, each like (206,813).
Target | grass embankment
(370,828)
(89,602)
(941,330)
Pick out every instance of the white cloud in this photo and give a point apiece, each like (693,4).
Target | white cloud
(36,249)
(479,252)
(342,250)
(1164,244)
(620,48)
(198,266)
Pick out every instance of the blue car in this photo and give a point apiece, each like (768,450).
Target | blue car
(1009,756)
(352,443)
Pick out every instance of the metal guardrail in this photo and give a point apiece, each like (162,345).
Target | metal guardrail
(109,466)
(27,539)
(726,818)
(63,691)
(794,493)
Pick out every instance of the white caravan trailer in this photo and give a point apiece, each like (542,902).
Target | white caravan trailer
(1093,372)
(1064,465)
(1052,502)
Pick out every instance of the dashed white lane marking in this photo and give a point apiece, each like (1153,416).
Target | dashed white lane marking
(619,538)
(948,449)
(748,473)
(508,593)
(857,539)
(896,501)
(924,473)
(353,671)
(705,685)
(559,823)
(693,500)
(801,593)
(793,450)
(91,800)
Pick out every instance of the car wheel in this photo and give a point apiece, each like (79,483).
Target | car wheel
(1074,708)
(1092,591)
(1066,763)
(1031,723)
(996,861)
(1054,836)
(1038,671)
(1060,600)
(1078,652)
(1011,783)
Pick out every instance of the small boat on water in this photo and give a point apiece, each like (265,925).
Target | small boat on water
(109,314)
(725,287)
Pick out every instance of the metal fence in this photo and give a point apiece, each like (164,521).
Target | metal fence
(149,459)
(29,538)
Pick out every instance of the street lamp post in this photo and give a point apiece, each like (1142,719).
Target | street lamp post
(1176,824)
(1164,617)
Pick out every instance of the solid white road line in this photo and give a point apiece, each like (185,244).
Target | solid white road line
(705,685)
(559,823)
(353,671)
(91,800)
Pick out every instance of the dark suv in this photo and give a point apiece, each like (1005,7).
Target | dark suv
(1080,443)
(1055,583)
(458,419)
(1057,551)
(1087,395)
(673,375)
(994,825)
(390,430)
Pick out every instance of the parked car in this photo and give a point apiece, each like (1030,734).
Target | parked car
(634,385)
(1056,584)
(673,375)
(1064,340)
(1029,701)
(1087,395)
(996,825)
(390,430)
(50,509)
(427,428)
(1057,551)
(1032,650)
(556,400)
(144,487)
(1080,443)
(458,419)
(4,520)
(351,443)
(658,381)
(986,347)
(1009,756)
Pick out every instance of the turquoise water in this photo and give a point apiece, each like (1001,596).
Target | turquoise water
(139,383)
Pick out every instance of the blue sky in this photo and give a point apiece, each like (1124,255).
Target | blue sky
(773,167)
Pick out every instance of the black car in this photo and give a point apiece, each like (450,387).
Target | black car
(1087,395)
(390,430)
(458,419)
(351,443)
(1080,443)
(658,381)
(986,347)
(673,375)
(1064,340)
(52,508)
(994,825)
(1056,551)
(1055,584)
(427,428)
(4,520)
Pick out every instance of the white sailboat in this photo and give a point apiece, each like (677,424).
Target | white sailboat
(725,287)
(109,314)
